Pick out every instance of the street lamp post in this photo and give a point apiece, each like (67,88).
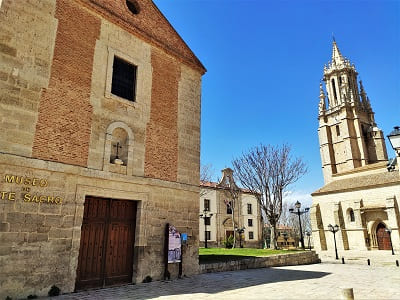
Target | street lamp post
(240,232)
(389,231)
(334,229)
(299,213)
(206,215)
(285,237)
(394,139)
(309,239)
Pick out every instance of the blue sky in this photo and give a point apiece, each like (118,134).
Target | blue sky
(265,61)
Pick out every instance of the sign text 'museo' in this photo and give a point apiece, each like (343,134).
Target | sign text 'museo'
(27,196)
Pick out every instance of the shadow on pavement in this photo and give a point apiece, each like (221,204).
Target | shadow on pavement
(204,283)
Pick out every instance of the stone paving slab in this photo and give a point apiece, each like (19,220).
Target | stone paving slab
(376,257)
(318,281)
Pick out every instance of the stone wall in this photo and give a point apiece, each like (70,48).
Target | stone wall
(221,222)
(25,61)
(372,194)
(40,238)
(60,122)
(301,258)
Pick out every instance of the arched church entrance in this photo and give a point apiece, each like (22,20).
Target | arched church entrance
(382,237)
(228,227)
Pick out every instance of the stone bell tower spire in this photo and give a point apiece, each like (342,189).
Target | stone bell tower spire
(348,135)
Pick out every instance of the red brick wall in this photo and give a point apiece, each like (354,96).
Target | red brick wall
(150,24)
(65,113)
(161,158)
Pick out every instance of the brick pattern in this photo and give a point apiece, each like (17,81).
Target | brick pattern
(53,65)
(150,24)
(161,157)
(65,112)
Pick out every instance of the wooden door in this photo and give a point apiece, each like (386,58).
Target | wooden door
(229,233)
(107,237)
(383,237)
(121,228)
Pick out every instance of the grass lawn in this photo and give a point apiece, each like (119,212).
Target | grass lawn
(211,255)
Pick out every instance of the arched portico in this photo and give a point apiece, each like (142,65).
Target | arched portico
(379,237)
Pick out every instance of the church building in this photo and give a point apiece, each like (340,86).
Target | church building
(229,212)
(360,195)
(99,145)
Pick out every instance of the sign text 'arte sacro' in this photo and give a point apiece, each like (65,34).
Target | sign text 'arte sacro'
(27,183)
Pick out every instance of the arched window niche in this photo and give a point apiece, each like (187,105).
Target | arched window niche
(133,6)
(119,147)
(350,214)
(118,152)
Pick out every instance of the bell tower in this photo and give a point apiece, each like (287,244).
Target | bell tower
(348,135)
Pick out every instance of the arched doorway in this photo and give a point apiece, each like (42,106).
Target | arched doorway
(382,237)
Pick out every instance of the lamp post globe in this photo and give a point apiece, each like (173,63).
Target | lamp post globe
(206,215)
(334,229)
(394,139)
(299,213)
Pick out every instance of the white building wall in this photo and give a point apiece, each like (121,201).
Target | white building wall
(211,195)
(250,199)
(372,197)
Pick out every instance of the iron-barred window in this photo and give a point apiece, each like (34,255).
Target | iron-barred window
(249,209)
(229,208)
(207,220)
(352,217)
(123,79)
(250,222)
(251,235)
(207,204)
(208,235)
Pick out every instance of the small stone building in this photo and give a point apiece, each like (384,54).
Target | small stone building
(360,194)
(230,212)
(286,237)
(99,144)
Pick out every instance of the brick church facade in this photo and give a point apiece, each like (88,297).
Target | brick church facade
(100,144)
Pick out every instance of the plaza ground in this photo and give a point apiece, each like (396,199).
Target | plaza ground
(317,281)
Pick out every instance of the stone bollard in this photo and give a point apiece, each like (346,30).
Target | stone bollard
(347,294)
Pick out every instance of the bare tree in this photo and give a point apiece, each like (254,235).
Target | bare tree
(206,174)
(292,220)
(286,217)
(266,171)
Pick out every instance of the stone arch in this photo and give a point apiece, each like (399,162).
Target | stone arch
(372,228)
(228,223)
(119,146)
(119,136)
(350,215)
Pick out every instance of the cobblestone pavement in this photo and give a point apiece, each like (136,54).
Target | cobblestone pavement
(318,281)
